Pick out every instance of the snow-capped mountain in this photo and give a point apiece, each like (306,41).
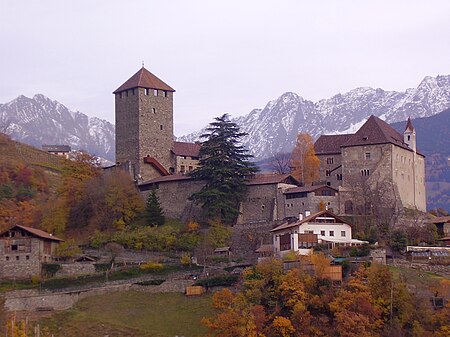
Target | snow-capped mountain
(40,120)
(274,128)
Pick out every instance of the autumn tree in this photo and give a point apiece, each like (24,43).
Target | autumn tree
(304,162)
(154,214)
(224,167)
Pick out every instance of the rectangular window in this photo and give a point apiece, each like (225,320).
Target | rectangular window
(190,168)
(322,233)
(343,233)
(331,233)
(339,176)
(330,160)
(309,232)
(154,110)
(182,168)
(164,93)
(367,155)
(155,92)
(328,173)
(146,91)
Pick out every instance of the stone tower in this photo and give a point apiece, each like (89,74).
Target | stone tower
(409,135)
(144,125)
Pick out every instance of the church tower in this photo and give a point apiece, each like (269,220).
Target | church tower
(144,125)
(409,135)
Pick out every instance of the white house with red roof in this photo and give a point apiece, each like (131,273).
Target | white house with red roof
(319,228)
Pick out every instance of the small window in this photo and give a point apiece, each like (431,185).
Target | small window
(190,168)
(120,94)
(164,93)
(367,155)
(155,92)
(161,127)
(146,91)
(339,176)
(409,137)
(328,173)
(182,168)
(309,232)
(263,207)
(322,233)
(330,160)
(14,247)
(331,233)
(7,258)
(27,257)
(343,233)
(154,110)
(17,258)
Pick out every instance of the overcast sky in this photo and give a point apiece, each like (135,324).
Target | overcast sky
(220,56)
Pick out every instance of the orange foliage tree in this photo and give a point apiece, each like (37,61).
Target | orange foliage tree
(304,162)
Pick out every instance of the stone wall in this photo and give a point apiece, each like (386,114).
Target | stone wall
(248,237)
(333,164)
(311,203)
(20,265)
(80,268)
(174,198)
(33,300)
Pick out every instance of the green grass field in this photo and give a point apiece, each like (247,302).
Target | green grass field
(133,314)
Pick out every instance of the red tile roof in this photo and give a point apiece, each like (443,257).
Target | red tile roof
(376,131)
(186,149)
(157,165)
(330,144)
(36,232)
(143,79)
(409,125)
(309,218)
(307,189)
(172,177)
(265,179)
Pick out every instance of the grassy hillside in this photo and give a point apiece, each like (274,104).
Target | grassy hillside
(133,314)
(15,152)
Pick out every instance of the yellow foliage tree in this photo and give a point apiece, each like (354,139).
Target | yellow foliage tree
(304,162)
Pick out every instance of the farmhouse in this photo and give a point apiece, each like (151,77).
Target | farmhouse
(23,250)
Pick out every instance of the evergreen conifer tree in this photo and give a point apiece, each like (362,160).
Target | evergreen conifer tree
(225,168)
(154,214)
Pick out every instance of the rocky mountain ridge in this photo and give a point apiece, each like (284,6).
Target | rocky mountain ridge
(274,128)
(39,120)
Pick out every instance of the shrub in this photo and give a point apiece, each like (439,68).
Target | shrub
(185,259)
(151,266)
(50,269)
(218,281)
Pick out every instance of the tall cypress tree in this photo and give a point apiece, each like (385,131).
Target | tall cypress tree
(154,214)
(224,166)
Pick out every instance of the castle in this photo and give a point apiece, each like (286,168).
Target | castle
(376,165)
(375,161)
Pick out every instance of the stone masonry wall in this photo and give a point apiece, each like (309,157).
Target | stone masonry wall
(330,162)
(173,198)
(80,268)
(20,265)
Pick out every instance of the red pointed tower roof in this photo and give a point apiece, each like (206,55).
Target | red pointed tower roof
(143,79)
(409,126)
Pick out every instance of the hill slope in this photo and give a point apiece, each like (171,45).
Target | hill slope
(40,120)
